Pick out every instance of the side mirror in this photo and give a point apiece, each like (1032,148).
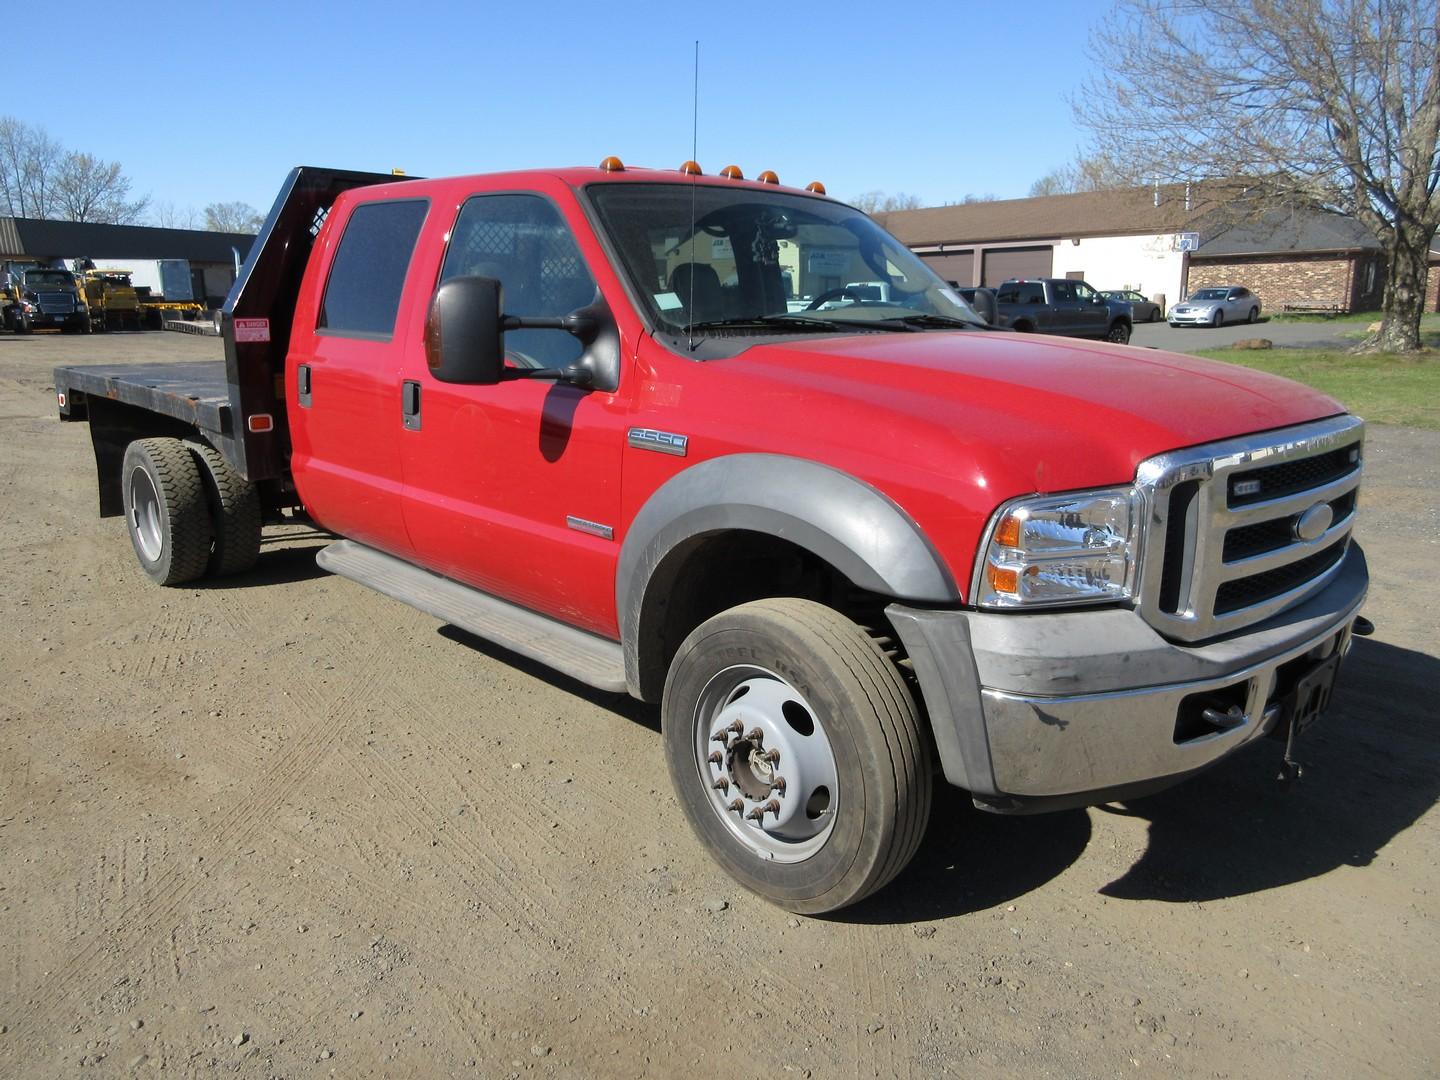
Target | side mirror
(463,342)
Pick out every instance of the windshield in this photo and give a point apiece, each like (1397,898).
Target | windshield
(784,262)
(1208,294)
(48,277)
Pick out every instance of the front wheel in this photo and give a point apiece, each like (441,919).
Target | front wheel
(1119,333)
(1218,319)
(796,751)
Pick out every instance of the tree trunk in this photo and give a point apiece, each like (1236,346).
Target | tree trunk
(1409,249)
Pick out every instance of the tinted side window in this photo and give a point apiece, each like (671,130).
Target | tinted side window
(363,293)
(522,241)
(1064,291)
(1032,292)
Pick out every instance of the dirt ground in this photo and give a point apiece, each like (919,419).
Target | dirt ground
(287,827)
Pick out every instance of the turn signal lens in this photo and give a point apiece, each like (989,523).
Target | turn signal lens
(690,168)
(732,172)
(612,164)
(1003,580)
(1007,534)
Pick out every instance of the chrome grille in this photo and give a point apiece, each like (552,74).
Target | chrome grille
(1222,538)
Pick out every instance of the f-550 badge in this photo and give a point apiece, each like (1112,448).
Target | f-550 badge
(663,442)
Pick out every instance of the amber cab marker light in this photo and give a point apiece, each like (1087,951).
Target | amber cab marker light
(1008,533)
(260,422)
(815,186)
(690,168)
(612,164)
(768,177)
(732,172)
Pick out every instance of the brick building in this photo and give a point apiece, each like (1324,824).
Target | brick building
(1165,242)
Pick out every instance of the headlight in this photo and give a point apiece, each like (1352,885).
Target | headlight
(1061,549)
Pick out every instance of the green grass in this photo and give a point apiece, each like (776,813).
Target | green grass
(1382,388)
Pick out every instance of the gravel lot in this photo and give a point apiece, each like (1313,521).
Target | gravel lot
(1295,335)
(287,827)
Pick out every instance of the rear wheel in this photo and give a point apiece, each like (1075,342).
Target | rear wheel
(165,510)
(234,505)
(1254,314)
(1156,316)
(796,751)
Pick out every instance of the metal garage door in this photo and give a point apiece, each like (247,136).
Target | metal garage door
(956,266)
(1031,262)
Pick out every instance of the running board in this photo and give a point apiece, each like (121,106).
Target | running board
(592,660)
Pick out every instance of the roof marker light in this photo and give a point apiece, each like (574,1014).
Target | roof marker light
(732,172)
(815,186)
(768,177)
(612,164)
(690,168)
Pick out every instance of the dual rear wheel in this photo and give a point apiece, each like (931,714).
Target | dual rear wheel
(188,512)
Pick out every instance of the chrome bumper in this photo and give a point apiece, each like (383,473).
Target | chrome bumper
(1075,707)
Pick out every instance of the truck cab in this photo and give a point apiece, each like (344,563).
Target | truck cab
(1062,306)
(56,299)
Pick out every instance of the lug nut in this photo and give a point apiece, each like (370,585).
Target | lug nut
(736,726)
(773,806)
(722,785)
(757,815)
(715,757)
(720,737)
(736,805)
(779,786)
(756,736)
(773,756)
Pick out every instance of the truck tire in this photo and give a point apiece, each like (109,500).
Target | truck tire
(165,510)
(1119,332)
(785,707)
(234,505)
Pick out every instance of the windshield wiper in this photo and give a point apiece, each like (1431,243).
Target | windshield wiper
(799,322)
(936,322)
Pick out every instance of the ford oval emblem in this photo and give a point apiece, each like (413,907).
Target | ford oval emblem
(1313,523)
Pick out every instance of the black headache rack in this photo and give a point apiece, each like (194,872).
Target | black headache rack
(228,404)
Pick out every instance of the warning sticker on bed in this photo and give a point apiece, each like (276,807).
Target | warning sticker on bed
(252,330)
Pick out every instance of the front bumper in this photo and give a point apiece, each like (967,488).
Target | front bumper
(1043,710)
(1192,318)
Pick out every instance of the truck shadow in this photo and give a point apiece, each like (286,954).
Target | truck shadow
(283,561)
(1372,769)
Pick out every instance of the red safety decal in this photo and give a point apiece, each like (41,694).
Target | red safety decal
(252,330)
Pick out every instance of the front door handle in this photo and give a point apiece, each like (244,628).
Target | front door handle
(302,385)
(410,404)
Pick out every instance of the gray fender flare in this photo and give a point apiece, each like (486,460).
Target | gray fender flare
(846,522)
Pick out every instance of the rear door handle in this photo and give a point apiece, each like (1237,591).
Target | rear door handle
(410,404)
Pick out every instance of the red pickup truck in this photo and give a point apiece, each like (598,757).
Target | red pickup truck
(634,424)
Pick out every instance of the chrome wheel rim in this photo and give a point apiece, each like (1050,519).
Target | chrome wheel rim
(145,515)
(766,762)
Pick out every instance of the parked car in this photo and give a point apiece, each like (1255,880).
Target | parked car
(1143,310)
(1216,306)
(1061,306)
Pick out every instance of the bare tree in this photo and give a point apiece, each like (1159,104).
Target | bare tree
(878,202)
(233,217)
(29,158)
(88,189)
(166,215)
(1328,104)
(1096,172)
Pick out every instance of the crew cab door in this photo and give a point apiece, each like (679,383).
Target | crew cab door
(1092,314)
(514,488)
(343,373)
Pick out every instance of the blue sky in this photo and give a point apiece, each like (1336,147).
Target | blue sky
(938,100)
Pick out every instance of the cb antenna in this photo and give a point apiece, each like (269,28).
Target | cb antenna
(694,156)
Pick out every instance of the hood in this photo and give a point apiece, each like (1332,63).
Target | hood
(1015,412)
